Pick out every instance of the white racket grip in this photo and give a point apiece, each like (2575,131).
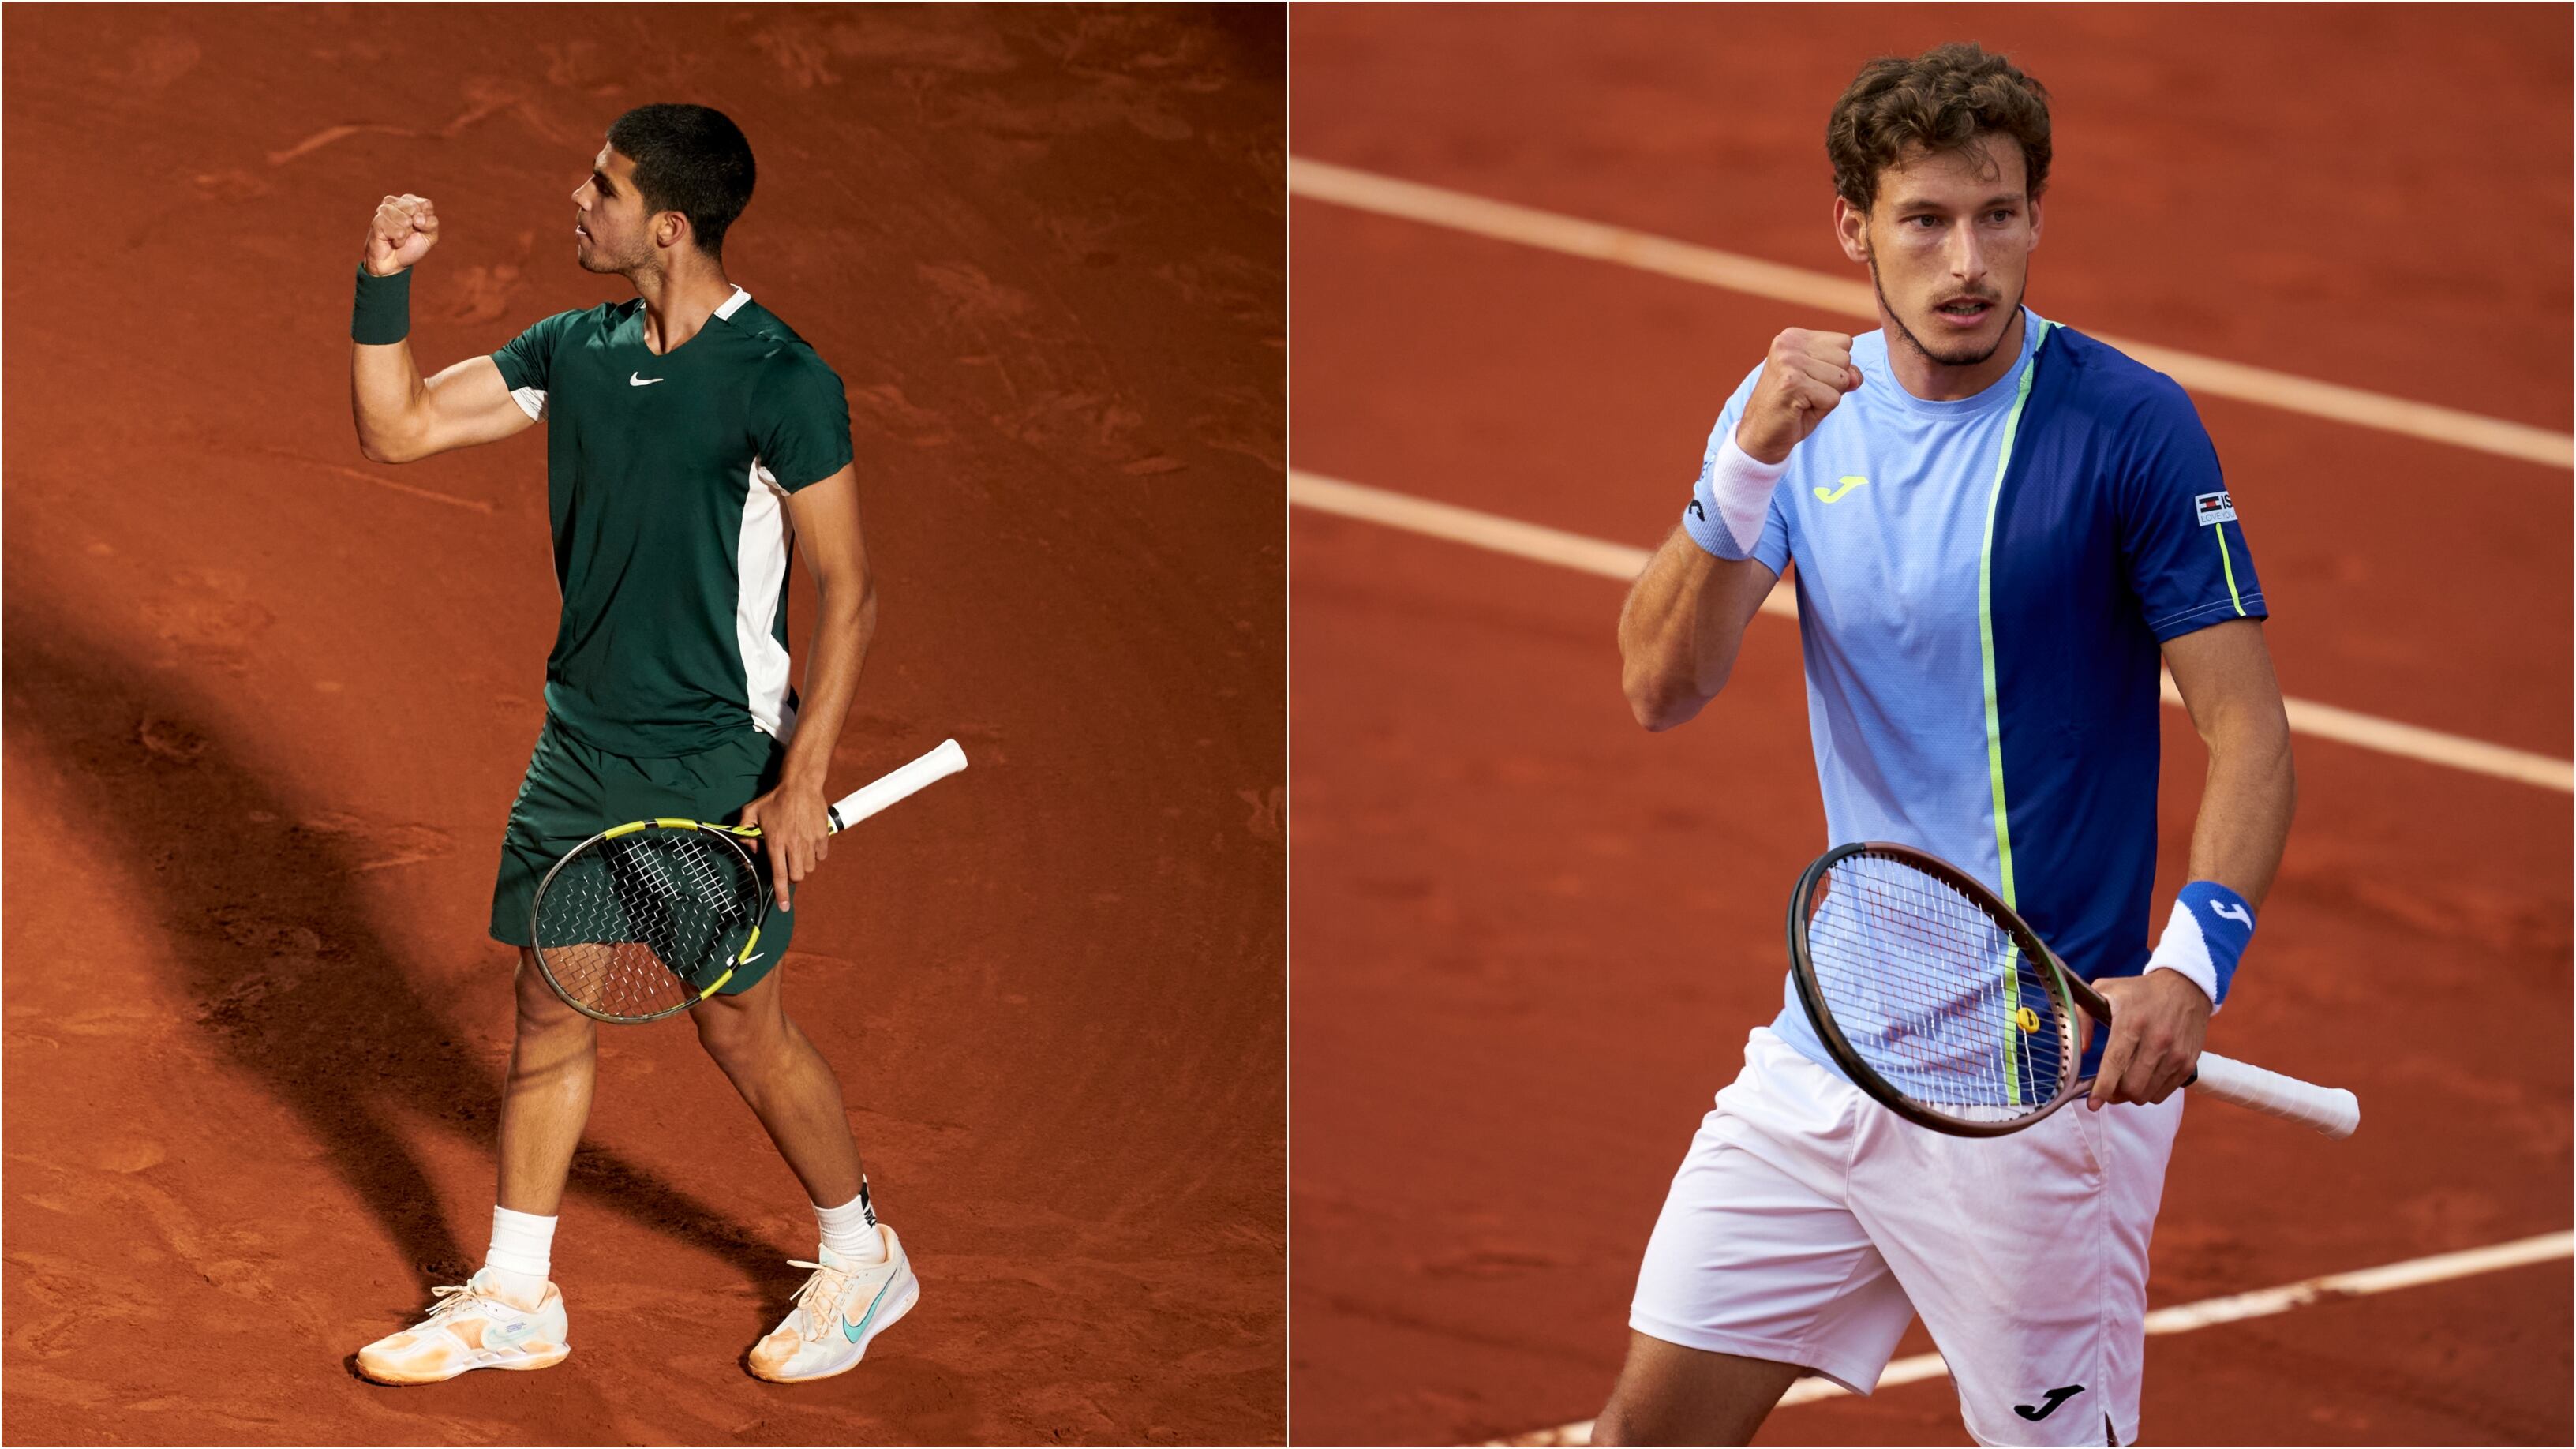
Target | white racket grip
(895,784)
(2331,1110)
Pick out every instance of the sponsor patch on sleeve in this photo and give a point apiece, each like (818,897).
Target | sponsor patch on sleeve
(2215,508)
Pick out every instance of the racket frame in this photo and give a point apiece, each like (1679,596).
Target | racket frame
(946,759)
(733,838)
(2068,987)
(2333,1111)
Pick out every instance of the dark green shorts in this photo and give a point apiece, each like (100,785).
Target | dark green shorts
(573,792)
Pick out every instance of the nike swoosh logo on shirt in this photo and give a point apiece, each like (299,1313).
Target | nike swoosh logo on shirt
(1848,484)
(637,379)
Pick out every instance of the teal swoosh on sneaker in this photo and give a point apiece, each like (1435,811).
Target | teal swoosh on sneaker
(851,1331)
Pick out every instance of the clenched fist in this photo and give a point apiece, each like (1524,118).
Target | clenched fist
(404,230)
(1803,378)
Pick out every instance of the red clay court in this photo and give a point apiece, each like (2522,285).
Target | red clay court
(1530,938)
(267,703)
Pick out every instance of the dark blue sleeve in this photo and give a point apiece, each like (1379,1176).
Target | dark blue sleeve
(2180,539)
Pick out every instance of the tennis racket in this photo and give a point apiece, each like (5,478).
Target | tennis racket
(1944,1005)
(647,919)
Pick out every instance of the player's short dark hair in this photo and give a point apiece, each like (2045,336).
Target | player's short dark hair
(1949,98)
(688,159)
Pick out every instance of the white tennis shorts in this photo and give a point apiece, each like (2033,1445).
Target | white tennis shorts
(1808,1225)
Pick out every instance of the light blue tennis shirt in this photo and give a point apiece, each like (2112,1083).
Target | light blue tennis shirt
(1984,587)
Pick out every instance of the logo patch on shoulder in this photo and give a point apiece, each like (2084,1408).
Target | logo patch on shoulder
(2215,508)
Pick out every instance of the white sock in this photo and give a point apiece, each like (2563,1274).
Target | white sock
(519,1258)
(850,1230)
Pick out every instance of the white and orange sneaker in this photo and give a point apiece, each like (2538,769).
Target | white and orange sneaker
(839,1311)
(472,1327)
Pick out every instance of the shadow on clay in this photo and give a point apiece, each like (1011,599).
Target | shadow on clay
(294,987)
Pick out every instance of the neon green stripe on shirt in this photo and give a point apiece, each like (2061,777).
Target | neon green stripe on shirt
(1994,717)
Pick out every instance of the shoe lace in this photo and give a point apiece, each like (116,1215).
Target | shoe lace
(821,1292)
(452,1298)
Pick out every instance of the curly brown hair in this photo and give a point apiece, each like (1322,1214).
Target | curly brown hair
(1950,98)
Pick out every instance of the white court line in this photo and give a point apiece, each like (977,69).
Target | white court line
(1600,242)
(1622,562)
(2183,1318)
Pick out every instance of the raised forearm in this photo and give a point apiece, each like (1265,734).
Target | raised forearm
(384,385)
(1681,628)
(846,623)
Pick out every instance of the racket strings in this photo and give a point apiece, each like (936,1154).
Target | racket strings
(629,926)
(1934,995)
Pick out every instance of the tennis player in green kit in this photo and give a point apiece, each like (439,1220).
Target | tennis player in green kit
(693,442)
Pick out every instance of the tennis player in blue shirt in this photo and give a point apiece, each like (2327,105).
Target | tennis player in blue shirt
(2001,528)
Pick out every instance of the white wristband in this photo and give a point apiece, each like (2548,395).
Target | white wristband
(1730,501)
(2181,951)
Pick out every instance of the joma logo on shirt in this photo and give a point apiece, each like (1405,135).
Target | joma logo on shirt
(2048,1403)
(1845,485)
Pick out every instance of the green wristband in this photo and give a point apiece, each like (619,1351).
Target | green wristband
(383,313)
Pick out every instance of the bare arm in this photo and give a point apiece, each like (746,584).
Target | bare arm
(1681,627)
(400,417)
(2225,675)
(792,818)
(1685,615)
(2224,672)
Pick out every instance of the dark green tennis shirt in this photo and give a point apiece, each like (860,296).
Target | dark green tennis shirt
(666,476)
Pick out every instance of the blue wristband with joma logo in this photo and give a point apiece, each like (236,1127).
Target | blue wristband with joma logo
(2205,937)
